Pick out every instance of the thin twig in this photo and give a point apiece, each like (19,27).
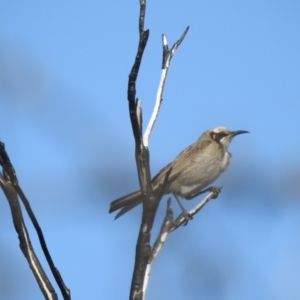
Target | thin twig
(181,219)
(56,274)
(169,225)
(25,243)
(167,55)
(9,172)
(158,244)
(161,238)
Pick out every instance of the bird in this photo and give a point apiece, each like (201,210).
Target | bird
(195,168)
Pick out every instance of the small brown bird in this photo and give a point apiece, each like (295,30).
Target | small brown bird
(193,169)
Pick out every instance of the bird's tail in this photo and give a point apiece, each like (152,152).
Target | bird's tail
(126,202)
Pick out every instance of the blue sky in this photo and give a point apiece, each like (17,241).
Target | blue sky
(64,67)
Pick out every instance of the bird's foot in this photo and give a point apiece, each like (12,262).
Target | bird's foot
(216,191)
(187,217)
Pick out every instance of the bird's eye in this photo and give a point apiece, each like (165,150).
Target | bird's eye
(218,136)
(222,134)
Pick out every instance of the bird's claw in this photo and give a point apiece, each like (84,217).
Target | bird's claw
(186,217)
(216,191)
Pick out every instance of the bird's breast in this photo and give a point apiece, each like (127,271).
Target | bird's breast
(200,174)
(225,161)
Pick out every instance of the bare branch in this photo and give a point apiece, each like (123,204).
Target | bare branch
(158,244)
(169,225)
(150,200)
(25,243)
(181,219)
(59,280)
(150,259)
(10,175)
(139,114)
(167,55)
(131,91)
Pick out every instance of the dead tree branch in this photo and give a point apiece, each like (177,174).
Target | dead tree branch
(150,200)
(168,226)
(10,186)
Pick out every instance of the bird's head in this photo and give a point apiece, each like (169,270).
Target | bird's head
(223,136)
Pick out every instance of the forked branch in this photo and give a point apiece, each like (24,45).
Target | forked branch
(150,200)
(170,225)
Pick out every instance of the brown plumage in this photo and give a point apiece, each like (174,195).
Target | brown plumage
(193,169)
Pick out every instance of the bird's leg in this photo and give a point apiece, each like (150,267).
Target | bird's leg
(186,215)
(190,197)
(215,190)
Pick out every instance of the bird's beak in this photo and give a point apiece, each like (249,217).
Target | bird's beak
(234,133)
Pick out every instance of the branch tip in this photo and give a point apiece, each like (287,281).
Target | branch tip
(164,41)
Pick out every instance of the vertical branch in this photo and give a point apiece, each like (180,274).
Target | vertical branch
(142,161)
(131,91)
(150,200)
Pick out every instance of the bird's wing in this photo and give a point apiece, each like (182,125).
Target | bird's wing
(183,161)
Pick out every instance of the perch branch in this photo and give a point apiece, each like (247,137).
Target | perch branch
(150,200)
(169,225)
